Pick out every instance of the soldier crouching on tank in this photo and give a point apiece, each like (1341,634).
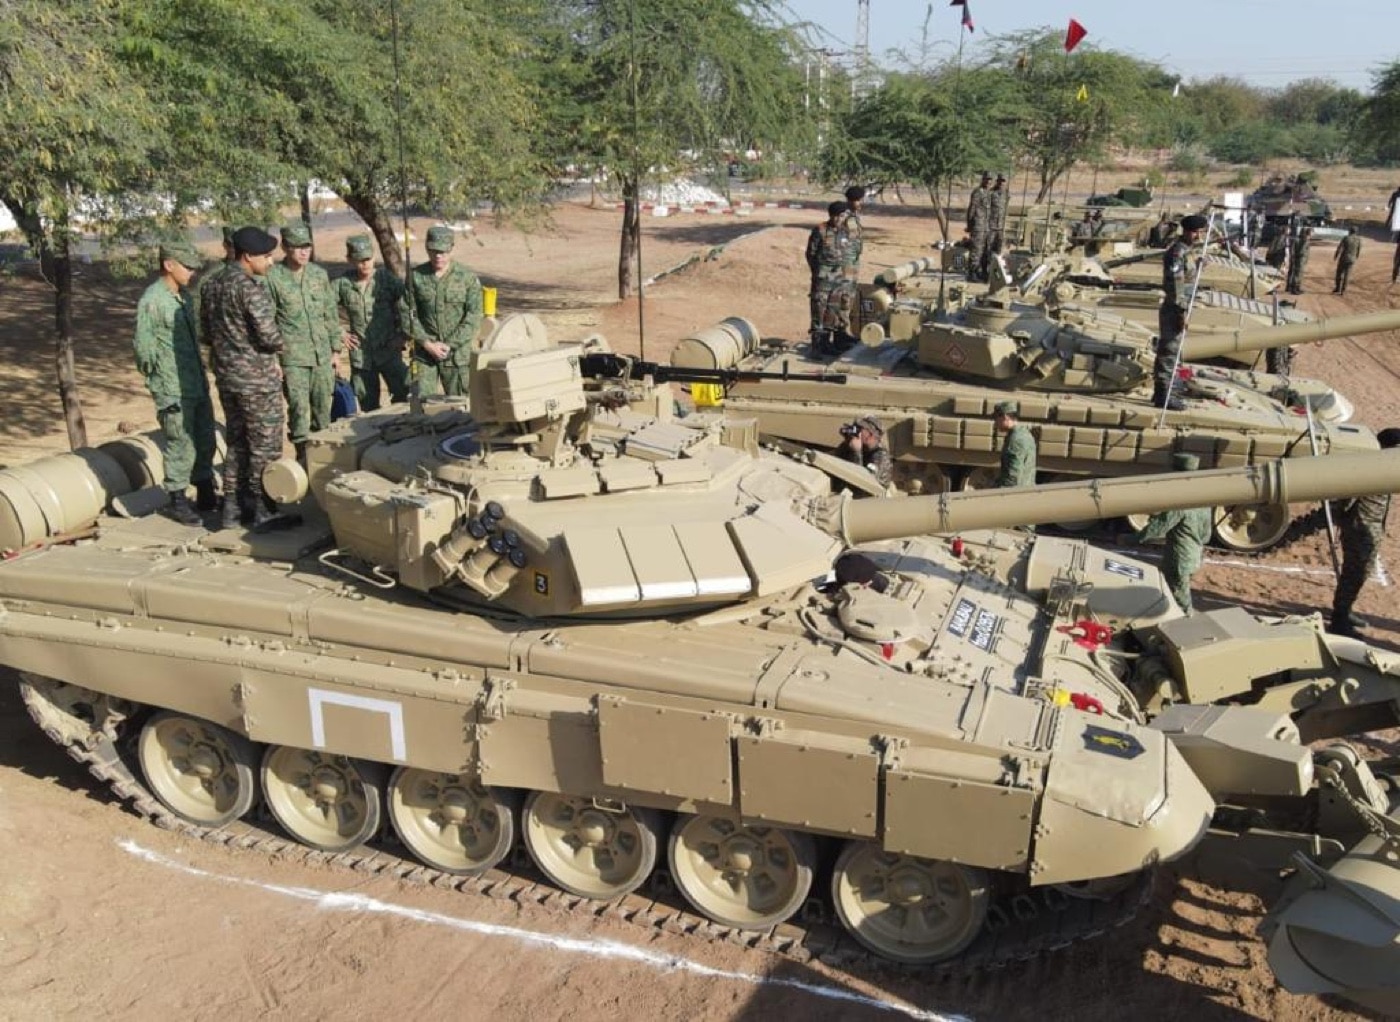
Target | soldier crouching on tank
(1361,523)
(863,442)
(240,326)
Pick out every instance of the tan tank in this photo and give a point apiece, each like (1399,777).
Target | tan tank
(1083,382)
(569,620)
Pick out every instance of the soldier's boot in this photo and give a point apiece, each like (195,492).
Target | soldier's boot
(206,497)
(267,516)
(301,452)
(1346,623)
(232,512)
(182,511)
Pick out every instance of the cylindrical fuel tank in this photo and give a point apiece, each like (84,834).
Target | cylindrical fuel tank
(66,491)
(721,346)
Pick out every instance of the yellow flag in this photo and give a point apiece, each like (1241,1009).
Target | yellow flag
(1082,94)
(707,395)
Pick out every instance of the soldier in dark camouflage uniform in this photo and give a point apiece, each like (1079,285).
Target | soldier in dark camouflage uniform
(309,320)
(369,297)
(1298,264)
(864,443)
(832,256)
(855,231)
(167,353)
(441,312)
(240,324)
(996,223)
(979,225)
(1187,532)
(1346,255)
(1362,525)
(1178,274)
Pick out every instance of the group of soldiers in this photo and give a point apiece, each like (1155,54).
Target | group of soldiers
(275,333)
(986,224)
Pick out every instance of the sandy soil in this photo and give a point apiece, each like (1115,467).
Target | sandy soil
(102,914)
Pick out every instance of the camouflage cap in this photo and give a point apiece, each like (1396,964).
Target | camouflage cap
(296,235)
(986,175)
(1007,408)
(441,238)
(253,241)
(358,247)
(183,253)
(871,423)
(1185,462)
(1001,177)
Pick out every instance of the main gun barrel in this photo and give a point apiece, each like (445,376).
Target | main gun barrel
(1211,345)
(1286,481)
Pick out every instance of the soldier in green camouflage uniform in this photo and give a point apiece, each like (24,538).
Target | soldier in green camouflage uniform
(240,324)
(1362,525)
(979,225)
(834,257)
(369,297)
(1346,255)
(441,311)
(1298,265)
(309,321)
(1178,275)
(1017,450)
(863,442)
(1187,532)
(167,353)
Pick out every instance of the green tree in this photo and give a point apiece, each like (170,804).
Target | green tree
(915,128)
(667,84)
(75,128)
(1078,104)
(1378,126)
(330,112)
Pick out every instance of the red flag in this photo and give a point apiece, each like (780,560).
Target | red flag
(967,13)
(1074,35)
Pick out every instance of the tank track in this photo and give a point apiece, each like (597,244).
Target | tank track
(1020,926)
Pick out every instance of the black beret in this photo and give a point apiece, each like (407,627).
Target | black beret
(837,208)
(855,193)
(1194,222)
(253,241)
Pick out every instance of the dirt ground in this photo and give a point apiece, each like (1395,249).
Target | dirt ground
(101,914)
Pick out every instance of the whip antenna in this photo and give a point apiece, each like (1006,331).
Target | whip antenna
(415,394)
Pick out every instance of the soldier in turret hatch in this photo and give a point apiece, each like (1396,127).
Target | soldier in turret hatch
(863,442)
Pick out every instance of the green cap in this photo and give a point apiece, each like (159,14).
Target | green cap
(1185,462)
(359,246)
(441,238)
(296,235)
(1007,408)
(183,253)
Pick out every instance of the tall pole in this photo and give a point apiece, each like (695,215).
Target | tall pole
(415,392)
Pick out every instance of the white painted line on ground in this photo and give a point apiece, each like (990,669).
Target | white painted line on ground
(1379,574)
(332,901)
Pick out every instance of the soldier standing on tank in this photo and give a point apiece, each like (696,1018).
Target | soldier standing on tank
(1299,263)
(1187,532)
(833,288)
(996,220)
(1361,523)
(855,229)
(979,225)
(310,324)
(1017,450)
(1178,274)
(167,354)
(1345,257)
(239,322)
(816,241)
(369,297)
(441,311)
(863,442)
